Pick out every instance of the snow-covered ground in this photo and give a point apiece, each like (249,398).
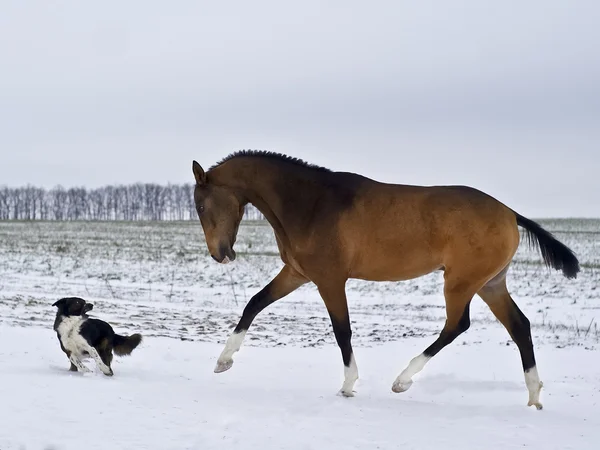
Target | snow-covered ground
(157,279)
(165,396)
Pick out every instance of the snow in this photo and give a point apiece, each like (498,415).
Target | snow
(157,279)
(165,396)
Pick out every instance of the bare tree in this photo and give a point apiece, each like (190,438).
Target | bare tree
(4,205)
(138,201)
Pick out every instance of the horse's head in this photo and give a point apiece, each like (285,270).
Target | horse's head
(220,213)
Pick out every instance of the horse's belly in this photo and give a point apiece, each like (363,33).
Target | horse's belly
(396,267)
(392,274)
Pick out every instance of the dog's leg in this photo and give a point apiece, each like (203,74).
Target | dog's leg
(73,367)
(77,363)
(106,356)
(103,367)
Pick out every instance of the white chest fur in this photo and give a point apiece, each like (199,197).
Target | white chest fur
(68,330)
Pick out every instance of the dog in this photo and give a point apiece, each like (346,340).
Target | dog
(82,337)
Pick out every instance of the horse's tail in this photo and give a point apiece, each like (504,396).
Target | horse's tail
(555,253)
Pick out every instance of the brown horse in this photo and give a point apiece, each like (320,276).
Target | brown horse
(332,226)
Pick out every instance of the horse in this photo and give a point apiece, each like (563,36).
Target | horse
(333,226)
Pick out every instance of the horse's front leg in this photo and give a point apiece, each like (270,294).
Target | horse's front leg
(286,281)
(334,296)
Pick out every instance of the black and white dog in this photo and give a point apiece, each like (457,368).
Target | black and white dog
(81,337)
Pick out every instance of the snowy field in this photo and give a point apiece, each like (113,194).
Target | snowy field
(157,279)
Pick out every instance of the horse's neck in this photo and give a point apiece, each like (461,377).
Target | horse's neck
(269,187)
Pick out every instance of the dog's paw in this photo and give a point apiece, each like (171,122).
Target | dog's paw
(222,366)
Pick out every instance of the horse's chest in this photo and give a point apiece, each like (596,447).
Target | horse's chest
(291,261)
(288,257)
(68,332)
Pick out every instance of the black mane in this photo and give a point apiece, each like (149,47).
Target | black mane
(271,155)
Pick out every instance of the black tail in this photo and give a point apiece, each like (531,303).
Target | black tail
(124,345)
(555,253)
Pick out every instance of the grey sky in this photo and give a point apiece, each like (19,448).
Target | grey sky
(503,96)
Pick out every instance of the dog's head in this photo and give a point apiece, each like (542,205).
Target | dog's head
(73,306)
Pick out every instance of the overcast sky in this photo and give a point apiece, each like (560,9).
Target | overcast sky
(503,96)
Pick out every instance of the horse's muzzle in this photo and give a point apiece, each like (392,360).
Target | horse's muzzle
(226,255)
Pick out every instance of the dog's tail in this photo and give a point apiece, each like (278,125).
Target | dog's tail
(124,345)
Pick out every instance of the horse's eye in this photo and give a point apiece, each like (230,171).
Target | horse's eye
(200,208)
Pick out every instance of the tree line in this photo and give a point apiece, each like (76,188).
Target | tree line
(140,201)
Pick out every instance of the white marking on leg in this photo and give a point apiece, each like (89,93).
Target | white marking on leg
(103,367)
(350,377)
(534,386)
(404,380)
(77,363)
(233,344)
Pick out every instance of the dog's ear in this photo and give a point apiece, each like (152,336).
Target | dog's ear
(59,302)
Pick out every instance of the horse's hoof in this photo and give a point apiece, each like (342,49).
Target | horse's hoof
(401,386)
(222,366)
(534,397)
(109,373)
(537,405)
(344,393)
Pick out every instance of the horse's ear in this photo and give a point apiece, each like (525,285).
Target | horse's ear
(199,173)
(59,302)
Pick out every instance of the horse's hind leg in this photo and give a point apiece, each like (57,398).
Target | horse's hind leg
(458,299)
(496,295)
